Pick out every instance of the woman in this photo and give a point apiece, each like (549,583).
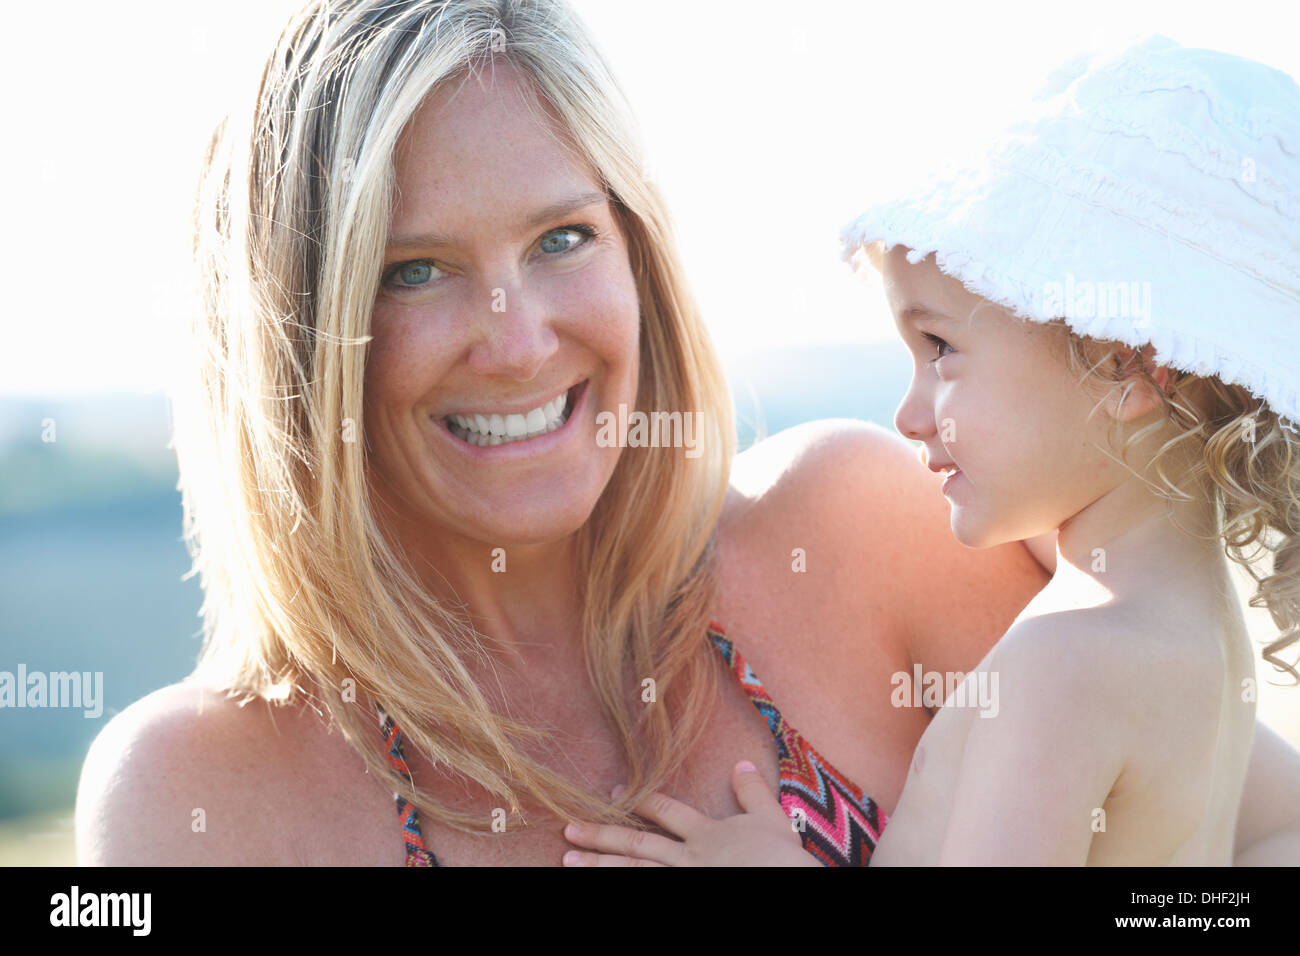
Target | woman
(426,545)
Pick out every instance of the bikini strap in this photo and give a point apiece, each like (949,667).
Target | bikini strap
(417,854)
(841,824)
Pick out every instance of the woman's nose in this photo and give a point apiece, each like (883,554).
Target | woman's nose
(513,331)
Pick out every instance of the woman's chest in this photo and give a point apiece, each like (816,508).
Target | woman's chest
(828,673)
(589,754)
(352,819)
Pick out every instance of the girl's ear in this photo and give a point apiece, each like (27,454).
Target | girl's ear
(1141,399)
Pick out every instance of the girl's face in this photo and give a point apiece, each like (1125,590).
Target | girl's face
(995,397)
(507,304)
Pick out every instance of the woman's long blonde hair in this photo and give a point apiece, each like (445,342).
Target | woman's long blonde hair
(305,594)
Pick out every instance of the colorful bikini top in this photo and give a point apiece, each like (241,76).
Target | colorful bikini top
(840,824)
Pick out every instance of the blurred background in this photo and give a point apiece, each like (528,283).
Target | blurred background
(768,126)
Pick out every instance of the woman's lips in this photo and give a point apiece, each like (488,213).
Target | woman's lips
(539,442)
(492,429)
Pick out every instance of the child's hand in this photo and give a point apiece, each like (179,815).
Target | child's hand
(760,836)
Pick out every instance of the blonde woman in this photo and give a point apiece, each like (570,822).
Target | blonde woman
(444,612)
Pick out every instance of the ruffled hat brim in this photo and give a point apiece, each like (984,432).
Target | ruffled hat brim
(1141,205)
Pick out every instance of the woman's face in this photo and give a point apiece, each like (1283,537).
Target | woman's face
(995,397)
(507,305)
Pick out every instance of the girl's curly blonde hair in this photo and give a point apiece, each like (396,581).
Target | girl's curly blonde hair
(1227,443)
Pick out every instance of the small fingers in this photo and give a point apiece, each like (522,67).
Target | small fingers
(624,842)
(674,816)
(752,792)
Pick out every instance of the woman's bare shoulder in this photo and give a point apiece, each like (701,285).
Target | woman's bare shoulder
(812,470)
(188,776)
(872,528)
(800,455)
(804,520)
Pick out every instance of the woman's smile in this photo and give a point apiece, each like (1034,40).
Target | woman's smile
(510,435)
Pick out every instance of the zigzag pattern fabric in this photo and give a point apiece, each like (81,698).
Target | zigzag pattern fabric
(841,824)
(408,817)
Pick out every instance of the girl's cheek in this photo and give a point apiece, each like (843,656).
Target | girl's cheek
(949,398)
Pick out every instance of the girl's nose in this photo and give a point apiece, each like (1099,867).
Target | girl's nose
(514,333)
(914,418)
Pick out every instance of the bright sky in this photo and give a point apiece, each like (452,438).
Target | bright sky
(767,123)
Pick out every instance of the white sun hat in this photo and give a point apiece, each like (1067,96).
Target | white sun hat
(1149,196)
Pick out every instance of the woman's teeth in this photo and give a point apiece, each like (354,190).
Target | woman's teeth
(503,429)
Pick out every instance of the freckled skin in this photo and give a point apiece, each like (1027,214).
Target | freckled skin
(475,165)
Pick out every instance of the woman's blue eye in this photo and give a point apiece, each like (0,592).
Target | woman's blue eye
(413,274)
(420,273)
(565,239)
(939,343)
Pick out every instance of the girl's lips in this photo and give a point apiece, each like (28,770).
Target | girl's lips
(947,482)
(528,447)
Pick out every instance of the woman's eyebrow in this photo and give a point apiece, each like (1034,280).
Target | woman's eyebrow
(565,206)
(542,216)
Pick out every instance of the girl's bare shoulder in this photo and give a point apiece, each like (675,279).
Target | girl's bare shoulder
(189,776)
(1125,666)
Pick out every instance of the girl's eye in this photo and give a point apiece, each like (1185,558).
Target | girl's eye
(565,239)
(415,274)
(939,343)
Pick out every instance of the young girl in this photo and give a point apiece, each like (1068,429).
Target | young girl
(1103,319)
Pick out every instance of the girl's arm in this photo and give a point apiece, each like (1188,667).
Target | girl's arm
(1036,771)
